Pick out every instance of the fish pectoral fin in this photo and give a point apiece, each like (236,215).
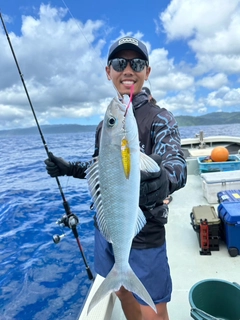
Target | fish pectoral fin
(148,164)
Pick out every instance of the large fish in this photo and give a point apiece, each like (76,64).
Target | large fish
(114,183)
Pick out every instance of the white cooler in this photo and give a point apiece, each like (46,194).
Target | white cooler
(214,182)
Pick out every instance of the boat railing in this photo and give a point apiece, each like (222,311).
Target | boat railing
(202,142)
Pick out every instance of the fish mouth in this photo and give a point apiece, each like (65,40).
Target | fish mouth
(122,106)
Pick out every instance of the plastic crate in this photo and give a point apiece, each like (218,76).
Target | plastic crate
(208,213)
(233,163)
(229,213)
(214,182)
(228,196)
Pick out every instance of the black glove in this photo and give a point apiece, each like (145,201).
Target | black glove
(56,166)
(153,185)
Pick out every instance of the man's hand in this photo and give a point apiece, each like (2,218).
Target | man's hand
(153,185)
(56,166)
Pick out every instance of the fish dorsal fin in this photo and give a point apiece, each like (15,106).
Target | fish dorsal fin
(92,175)
(141,221)
(148,164)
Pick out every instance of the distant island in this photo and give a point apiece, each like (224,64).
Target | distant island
(209,119)
(183,121)
(50,129)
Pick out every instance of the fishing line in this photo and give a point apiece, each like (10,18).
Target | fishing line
(69,220)
(81,29)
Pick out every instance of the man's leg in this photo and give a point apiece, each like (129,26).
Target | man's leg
(130,306)
(134,311)
(149,314)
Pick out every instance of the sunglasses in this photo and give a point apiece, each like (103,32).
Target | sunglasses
(119,64)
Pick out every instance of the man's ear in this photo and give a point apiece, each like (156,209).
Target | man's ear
(147,73)
(108,73)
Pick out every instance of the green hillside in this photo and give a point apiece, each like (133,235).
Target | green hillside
(209,119)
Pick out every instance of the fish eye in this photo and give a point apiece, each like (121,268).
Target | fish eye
(111,121)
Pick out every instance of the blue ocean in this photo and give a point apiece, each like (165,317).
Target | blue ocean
(40,279)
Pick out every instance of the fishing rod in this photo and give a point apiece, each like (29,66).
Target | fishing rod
(69,220)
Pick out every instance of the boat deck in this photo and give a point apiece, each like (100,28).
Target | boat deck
(187,265)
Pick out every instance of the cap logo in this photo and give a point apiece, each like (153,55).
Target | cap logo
(128,40)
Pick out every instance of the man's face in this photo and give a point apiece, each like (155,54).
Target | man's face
(123,80)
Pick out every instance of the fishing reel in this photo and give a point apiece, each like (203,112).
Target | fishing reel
(71,221)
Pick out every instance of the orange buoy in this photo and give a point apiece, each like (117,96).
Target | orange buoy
(219,154)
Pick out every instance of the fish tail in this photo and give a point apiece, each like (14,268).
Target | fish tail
(133,284)
(114,281)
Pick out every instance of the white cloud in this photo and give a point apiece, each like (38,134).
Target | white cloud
(222,40)
(229,64)
(185,19)
(165,76)
(213,82)
(211,29)
(224,97)
(182,103)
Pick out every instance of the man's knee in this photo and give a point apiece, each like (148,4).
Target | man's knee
(124,295)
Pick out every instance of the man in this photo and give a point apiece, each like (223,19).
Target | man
(127,65)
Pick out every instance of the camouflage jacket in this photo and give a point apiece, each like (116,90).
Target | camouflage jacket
(158,133)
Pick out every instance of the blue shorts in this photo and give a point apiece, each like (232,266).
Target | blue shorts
(150,266)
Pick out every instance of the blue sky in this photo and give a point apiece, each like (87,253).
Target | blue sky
(61,47)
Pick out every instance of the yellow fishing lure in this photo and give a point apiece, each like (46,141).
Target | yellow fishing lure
(126,157)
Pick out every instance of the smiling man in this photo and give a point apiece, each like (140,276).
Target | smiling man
(127,66)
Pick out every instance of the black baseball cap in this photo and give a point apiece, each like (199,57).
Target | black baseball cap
(128,43)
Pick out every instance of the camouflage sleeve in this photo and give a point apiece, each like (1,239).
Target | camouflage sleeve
(167,143)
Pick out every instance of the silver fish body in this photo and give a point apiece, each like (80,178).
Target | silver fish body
(114,183)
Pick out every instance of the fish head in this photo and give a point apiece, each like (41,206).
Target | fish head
(119,121)
(120,132)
